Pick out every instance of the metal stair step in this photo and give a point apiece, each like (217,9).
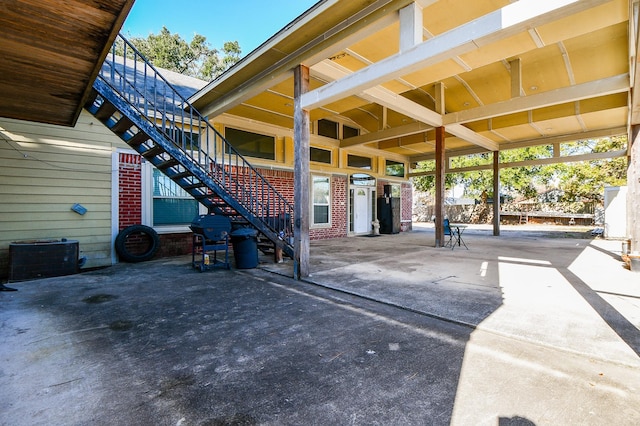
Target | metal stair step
(106,110)
(153,151)
(122,125)
(137,139)
(181,175)
(193,186)
(167,164)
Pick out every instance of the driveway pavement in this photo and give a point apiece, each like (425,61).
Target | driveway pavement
(528,328)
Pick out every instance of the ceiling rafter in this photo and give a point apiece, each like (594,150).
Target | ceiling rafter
(467,86)
(339,37)
(380,95)
(567,63)
(606,86)
(527,163)
(549,140)
(395,132)
(332,71)
(492,27)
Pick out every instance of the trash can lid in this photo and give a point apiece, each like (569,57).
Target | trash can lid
(244,232)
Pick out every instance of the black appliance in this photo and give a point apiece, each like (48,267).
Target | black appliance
(389,215)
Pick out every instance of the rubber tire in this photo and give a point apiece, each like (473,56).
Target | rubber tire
(121,243)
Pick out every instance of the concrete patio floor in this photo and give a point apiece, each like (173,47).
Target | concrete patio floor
(532,327)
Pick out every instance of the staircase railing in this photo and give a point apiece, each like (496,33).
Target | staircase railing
(138,83)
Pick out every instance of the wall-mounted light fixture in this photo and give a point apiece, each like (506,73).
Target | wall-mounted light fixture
(78,208)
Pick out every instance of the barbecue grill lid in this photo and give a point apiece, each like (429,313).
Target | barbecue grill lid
(213,227)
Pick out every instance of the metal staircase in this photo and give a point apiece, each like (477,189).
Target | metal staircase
(140,106)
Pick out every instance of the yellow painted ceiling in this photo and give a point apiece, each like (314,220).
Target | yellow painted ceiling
(582,48)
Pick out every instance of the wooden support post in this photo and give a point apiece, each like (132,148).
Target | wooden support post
(496,193)
(301,176)
(440,175)
(633,190)
(277,254)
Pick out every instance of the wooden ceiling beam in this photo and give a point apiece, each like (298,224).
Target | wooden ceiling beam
(469,135)
(606,86)
(378,94)
(395,132)
(410,26)
(495,26)
(550,140)
(331,71)
(341,36)
(538,162)
(634,57)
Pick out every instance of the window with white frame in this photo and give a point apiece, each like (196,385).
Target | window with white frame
(172,205)
(321,200)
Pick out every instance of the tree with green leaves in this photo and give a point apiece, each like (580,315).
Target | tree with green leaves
(580,181)
(195,58)
(586,180)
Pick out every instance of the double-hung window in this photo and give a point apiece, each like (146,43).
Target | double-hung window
(321,200)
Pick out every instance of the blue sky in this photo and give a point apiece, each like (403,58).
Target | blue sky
(250,22)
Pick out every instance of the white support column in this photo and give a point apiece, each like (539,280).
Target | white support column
(410,26)
(633,190)
(301,139)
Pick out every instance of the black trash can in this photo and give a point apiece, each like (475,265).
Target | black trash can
(245,247)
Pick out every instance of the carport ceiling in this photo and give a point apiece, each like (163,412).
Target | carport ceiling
(561,71)
(51,52)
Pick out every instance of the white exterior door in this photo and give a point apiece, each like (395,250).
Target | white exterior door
(361,210)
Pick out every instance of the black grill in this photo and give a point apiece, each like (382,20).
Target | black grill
(214,228)
(210,235)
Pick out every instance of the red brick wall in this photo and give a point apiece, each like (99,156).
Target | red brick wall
(339,203)
(175,244)
(380,187)
(282,181)
(130,187)
(130,202)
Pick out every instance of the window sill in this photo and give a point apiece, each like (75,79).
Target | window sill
(321,226)
(172,229)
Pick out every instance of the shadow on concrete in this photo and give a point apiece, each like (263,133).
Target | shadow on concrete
(618,322)
(515,421)
(163,343)
(387,330)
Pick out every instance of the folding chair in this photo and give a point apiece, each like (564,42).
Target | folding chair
(453,239)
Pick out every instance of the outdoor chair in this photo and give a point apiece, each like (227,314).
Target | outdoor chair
(448,232)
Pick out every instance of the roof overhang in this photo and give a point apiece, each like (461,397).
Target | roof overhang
(493,73)
(51,53)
